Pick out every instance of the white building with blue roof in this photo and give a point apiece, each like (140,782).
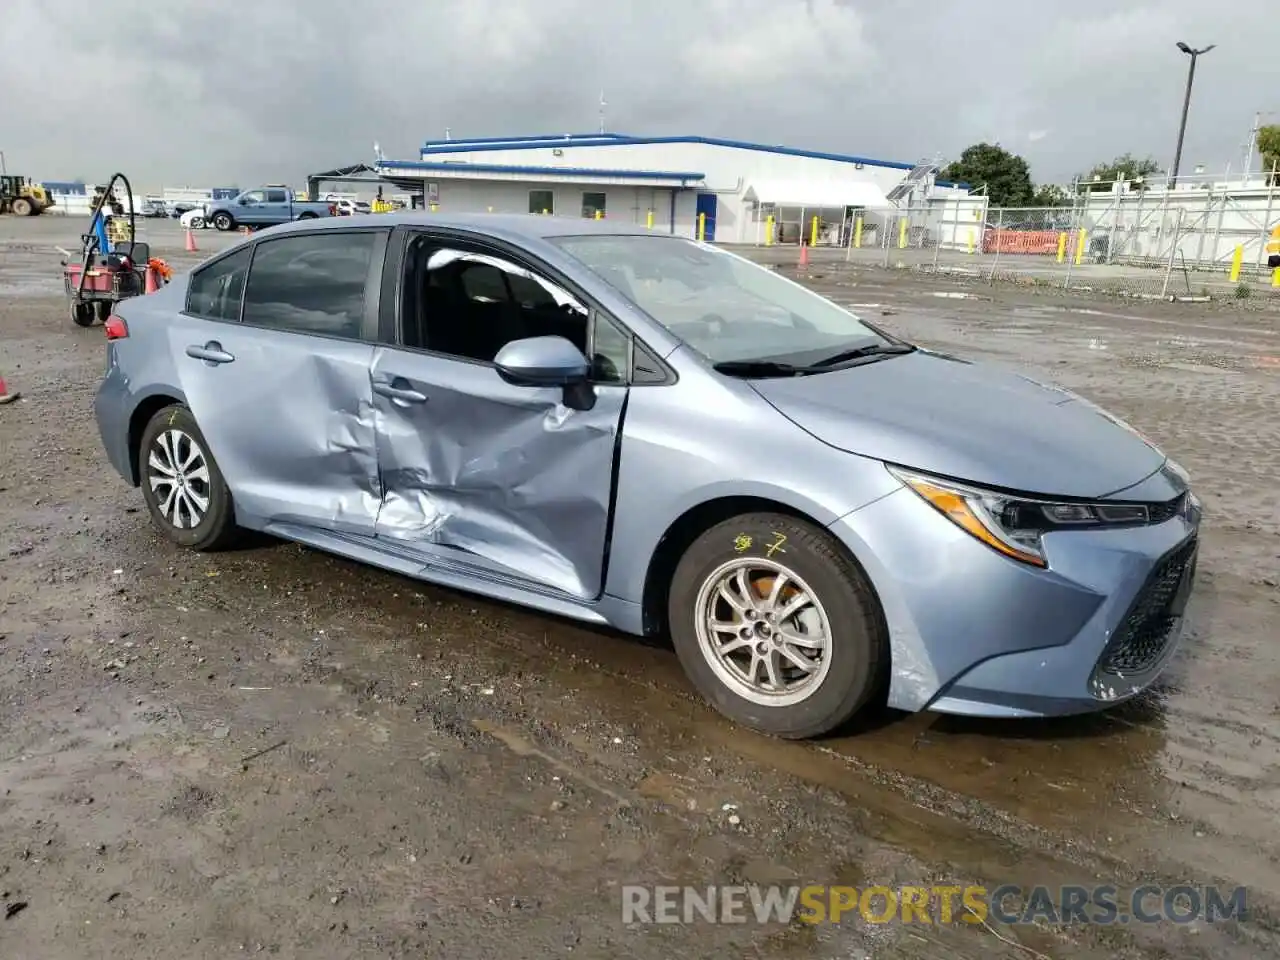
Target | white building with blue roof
(728,190)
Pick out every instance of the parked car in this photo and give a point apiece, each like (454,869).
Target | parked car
(181,207)
(152,207)
(649,432)
(264,207)
(351,208)
(193,220)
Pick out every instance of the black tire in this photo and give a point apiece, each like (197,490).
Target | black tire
(306,216)
(101,310)
(82,314)
(858,644)
(22,207)
(223,221)
(216,528)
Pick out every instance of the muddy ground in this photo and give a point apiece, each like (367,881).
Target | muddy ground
(277,751)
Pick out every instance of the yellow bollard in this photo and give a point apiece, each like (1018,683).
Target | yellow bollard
(857,233)
(435,207)
(599,214)
(1237,261)
(768,231)
(1081,237)
(1062,248)
(813,233)
(971,240)
(702,227)
(1275,277)
(902,234)
(648,221)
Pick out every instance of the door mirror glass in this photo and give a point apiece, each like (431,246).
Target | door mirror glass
(541,362)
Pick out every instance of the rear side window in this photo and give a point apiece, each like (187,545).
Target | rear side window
(276,196)
(311,284)
(215,291)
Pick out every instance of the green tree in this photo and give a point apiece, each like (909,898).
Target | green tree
(1004,174)
(1050,195)
(1269,147)
(1124,167)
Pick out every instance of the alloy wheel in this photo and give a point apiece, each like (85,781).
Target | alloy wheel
(763,631)
(178,473)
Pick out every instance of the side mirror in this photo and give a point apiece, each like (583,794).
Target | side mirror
(542,362)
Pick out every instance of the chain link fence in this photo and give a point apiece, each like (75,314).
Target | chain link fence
(1189,247)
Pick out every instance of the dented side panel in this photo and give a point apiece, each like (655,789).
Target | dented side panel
(290,422)
(499,477)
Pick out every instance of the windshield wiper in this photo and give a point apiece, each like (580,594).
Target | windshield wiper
(857,353)
(760,368)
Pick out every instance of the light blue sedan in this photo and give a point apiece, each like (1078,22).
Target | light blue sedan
(636,429)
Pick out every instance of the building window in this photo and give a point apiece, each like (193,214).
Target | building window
(542,201)
(592,203)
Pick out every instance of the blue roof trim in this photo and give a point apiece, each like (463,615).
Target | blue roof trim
(618,140)
(546,138)
(680,175)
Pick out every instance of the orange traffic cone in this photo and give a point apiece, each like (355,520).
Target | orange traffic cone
(191,241)
(804,254)
(153,279)
(5,395)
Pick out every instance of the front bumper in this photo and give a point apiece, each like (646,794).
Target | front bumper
(973,632)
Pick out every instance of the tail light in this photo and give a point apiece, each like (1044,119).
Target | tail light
(333,209)
(115,328)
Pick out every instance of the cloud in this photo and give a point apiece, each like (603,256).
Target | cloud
(197,92)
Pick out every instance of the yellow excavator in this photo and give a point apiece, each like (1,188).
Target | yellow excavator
(23,197)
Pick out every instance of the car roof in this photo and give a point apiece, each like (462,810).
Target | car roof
(515,226)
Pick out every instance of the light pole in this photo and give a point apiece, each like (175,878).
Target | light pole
(1186,105)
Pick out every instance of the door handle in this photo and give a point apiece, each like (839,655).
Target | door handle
(211,353)
(396,392)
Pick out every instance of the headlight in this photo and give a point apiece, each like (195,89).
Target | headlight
(1014,525)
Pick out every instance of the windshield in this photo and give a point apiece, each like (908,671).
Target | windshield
(722,305)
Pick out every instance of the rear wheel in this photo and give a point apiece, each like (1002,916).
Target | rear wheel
(184,490)
(197,223)
(81,313)
(22,207)
(777,626)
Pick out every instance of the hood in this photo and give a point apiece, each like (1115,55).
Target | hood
(967,421)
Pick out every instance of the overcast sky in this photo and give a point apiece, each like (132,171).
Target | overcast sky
(201,92)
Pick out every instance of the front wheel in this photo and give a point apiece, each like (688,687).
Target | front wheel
(222,221)
(184,490)
(777,626)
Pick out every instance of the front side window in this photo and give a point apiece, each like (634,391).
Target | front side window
(542,201)
(255,196)
(471,304)
(215,291)
(722,305)
(314,283)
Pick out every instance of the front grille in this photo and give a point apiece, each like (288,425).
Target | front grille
(1142,637)
(1161,512)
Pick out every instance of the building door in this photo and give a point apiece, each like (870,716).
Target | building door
(707,206)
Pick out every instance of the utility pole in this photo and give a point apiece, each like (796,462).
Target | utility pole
(4,171)
(602,106)
(1186,106)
